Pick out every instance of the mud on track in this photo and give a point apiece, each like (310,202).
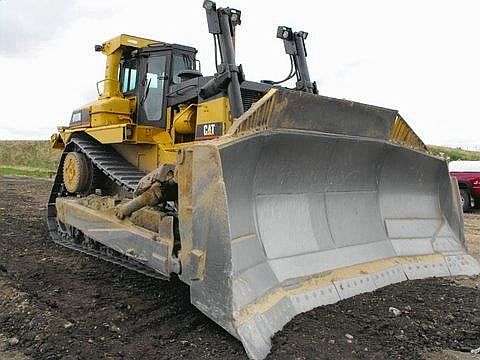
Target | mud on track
(64,305)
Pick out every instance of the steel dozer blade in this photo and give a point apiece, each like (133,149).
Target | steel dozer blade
(309,200)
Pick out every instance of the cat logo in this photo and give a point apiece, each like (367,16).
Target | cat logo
(209,131)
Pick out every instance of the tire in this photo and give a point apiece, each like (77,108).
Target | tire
(465,200)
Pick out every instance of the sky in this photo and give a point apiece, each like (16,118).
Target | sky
(419,57)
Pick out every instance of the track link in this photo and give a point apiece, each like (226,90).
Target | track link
(112,164)
(109,162)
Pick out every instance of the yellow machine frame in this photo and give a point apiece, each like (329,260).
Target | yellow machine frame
(111,116)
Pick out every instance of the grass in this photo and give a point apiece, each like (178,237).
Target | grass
(28,158)
(26,171)
(452,154)
(38,159)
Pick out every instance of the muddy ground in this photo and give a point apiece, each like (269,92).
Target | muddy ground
(58,304)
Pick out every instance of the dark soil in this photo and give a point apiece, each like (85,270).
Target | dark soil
(436,314)
(64,305)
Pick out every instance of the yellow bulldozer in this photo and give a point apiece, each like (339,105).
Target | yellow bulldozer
(267,201)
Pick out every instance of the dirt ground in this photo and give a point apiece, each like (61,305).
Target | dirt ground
(58,304)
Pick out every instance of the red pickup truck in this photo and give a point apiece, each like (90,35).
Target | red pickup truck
(467,174)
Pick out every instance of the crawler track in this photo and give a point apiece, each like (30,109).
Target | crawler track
(106,160)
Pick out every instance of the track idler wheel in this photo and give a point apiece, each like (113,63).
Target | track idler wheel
(77,175)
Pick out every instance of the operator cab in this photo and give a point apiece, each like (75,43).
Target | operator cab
(148,73)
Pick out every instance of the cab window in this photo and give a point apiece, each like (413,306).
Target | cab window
(128,76)
(181,62)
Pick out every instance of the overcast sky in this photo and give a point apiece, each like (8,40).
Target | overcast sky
(420,57)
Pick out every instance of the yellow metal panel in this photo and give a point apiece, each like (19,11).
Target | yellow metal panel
(167,153)
(112,45)
(133,103)
(109,134)
(216,110)
(145,134)
(113,49)
(110,111)
(402,134)
(111,85)
(142,156)
(184,121)
(121,133)
(125,133)
(163,138)
(66,133)
(258,116)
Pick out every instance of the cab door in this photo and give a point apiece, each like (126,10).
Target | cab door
(153,86)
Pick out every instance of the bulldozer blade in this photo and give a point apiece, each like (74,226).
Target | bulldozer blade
(309,200)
